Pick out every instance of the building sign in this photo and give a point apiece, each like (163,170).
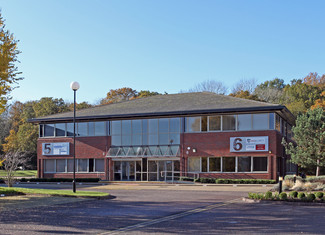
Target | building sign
(55,149)
(249,144)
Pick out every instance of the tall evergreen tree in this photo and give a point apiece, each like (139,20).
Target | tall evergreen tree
(309,135)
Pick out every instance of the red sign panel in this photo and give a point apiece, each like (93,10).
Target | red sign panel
(260,147)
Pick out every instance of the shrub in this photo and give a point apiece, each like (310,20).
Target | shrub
(207,180)
(301,195)
(268,195)
(59,180)
(311,197)
(283,196)
(251,195)
(294,194)
(319,195)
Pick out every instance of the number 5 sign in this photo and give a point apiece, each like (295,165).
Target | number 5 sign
(249,144)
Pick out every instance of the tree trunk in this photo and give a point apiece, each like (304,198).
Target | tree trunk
(317,168)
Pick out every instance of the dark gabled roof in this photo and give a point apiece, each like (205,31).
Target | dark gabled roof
(163,105)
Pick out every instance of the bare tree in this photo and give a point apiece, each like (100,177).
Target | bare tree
(12,161)
(210,86)
(244,85)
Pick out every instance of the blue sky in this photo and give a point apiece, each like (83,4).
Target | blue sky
(161,45)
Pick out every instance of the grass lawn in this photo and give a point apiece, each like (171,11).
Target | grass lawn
(51,192)
(26,173)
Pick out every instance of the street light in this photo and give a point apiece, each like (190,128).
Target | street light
(74,86)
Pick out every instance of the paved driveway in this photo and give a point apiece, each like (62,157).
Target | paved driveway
(161,209)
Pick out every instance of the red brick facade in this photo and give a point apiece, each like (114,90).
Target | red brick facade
(206,144)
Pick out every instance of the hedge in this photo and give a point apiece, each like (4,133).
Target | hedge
(235,181)
(60,180)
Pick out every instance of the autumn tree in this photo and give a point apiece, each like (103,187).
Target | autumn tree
(118,95)
(210,86)
(320,103)
(146,93)
(9,75)
(309,135)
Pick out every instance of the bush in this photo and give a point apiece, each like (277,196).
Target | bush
(244,181)
(294,194)
(319,195)
(283,196)
(301,195)
(186,179)
(311,197)
(291,178)
(208,180)
(268,195)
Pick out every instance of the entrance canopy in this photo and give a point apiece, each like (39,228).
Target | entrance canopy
(145,151)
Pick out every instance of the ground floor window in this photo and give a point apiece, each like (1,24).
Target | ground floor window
(228,164)
(87,165)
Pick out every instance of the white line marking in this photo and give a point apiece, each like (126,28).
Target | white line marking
(170,217)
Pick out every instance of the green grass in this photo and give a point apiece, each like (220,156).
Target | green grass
(26,173)
(51,192)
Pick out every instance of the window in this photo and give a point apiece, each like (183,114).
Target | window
(193,124)
(194,164)
(82,129)
(100,128)
(91,128)
(214,164)
(41,129)
(49,165)
(259,163)
(244,122)
(271,121)
(49,130)
(228,164)
(60,129)
(204,164)
(70,165)
(261,121)
(174,125)
(70,129)
(229,122)
(215,123)
(60,165)
(153,126)
(116,127)
(126,127)
(99,165)
(244,164)
(278,123)
(82,165)
(91,165)
(204,123)
(163,125)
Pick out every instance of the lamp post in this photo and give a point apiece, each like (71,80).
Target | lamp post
(74,86)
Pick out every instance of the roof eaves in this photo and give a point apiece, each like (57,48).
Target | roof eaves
(138,115)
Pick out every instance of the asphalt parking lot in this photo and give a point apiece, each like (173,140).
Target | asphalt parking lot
(157,209)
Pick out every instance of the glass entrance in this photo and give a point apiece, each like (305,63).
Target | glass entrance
(146,170)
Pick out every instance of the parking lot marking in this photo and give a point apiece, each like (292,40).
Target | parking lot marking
(171,217)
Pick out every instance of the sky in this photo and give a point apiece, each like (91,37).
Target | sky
(160,45)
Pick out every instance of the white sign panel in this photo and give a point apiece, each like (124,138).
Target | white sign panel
(249,144)
(55,148)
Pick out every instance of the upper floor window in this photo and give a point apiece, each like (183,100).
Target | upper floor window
(66,129)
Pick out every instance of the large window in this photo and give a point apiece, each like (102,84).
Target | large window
(66,165)
(66,129)
(239,122)
(159,131)
(228,164)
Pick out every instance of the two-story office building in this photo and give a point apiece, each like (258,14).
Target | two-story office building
(162,137)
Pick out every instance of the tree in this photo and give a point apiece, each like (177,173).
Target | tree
(320,103)
(245,95)
(270,91)
(118,95)
(244,85)
(146,93)
(9,75)
(299,96)
(12,162)
(309,135)
(210,86)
